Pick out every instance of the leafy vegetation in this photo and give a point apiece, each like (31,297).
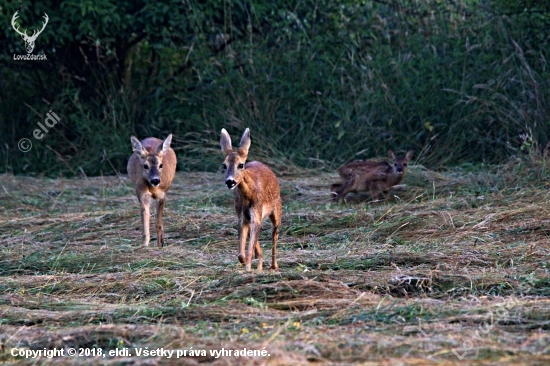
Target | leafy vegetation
(319,82)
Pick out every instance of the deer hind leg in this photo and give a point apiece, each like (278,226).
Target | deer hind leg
(244,229)
(259,255)
(345,188)
(255,227)
(160,227)
(335,189)
(258,252)
(275,218)
(145,207)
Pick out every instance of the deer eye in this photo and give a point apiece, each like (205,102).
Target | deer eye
(404,164)
(224,165)
(145,166)
(160,166)
(241,166)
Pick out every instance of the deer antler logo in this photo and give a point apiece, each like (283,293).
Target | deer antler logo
(29,40)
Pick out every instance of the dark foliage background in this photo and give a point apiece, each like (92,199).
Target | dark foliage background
(319,82)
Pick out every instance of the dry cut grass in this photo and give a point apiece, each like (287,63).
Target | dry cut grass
(455,266)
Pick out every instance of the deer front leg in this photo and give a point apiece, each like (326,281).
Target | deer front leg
(374,191)
(145,202)
(244,228)
(160,228)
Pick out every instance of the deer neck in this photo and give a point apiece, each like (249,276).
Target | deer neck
(246,187)
(395,178)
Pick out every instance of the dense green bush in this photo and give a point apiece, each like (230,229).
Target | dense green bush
(319,82)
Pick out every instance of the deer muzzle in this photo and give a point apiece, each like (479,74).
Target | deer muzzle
(230,183)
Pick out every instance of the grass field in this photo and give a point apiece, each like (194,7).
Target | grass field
(453,270)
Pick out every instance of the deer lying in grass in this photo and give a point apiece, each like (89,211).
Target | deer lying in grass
(257,195)
(376,177)
(152,167)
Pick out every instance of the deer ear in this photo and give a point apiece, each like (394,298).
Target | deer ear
(391,155)
(225,143)
(136,146)
(409,155)
(165,146)
(245,143)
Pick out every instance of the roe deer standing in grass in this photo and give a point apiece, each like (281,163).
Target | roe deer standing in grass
(257,195)
(152,167)
(376,177)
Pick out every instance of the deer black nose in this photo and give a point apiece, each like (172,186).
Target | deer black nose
(155,181)
(230,183)
(400,170)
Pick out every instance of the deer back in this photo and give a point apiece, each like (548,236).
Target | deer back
(368,170)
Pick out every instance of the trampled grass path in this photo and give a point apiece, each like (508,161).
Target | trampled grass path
(455,262)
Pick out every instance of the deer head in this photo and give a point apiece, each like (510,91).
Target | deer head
(151,161)
(29,40)
(235,161)
(400,163)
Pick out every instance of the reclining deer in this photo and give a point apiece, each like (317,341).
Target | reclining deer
(376,177)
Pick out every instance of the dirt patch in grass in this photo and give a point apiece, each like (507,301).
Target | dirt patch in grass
(453,269)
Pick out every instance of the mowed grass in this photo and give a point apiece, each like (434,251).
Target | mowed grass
(455,261)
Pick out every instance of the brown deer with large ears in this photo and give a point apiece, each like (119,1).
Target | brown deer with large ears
(152,168)
(257,196)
